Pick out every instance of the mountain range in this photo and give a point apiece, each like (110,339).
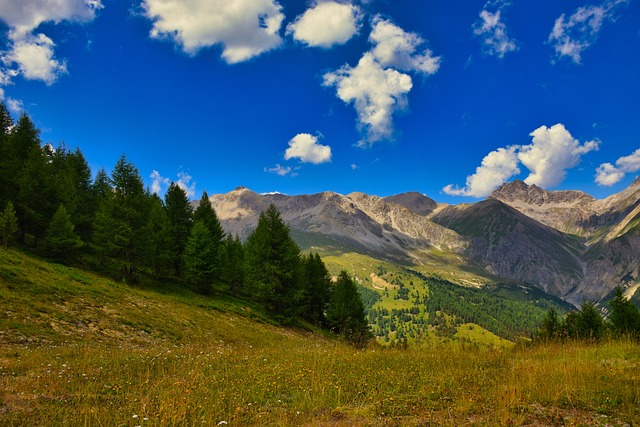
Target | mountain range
(566,243)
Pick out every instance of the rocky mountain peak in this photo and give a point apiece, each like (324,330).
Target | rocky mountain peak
(414,201)
(519,192)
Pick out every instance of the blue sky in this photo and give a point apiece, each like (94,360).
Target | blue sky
(448,98)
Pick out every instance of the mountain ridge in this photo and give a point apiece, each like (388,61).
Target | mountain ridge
(565,242)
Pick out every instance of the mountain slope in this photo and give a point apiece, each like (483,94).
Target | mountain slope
(510,244)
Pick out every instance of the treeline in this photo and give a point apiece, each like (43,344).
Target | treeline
(588,324)
(116,225)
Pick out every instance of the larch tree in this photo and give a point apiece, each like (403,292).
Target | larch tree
(180,216)
(273,266)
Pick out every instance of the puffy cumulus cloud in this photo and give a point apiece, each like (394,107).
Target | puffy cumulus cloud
(14,105)
(552,152)
(376,86)
(497,167)
(493,31)
(571,36)
(279,170)
(608,174)
(158,182)
(244,28)
(376,93)
(185,181)
(306,148)
(394,47)
(32,55)
(326,24)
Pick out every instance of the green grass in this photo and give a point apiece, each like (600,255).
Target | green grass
(79,349)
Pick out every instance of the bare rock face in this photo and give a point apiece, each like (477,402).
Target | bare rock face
(358,222)
(564,242)
(415,202)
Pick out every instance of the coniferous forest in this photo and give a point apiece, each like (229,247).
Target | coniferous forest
(52,204)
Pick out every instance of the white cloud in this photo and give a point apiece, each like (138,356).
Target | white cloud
(306,148)
(571,36)
(375,86)
(493,31)
(279,170)
(14,105)
(32,55)
(244,28)
(608,174)
(184,182)
(158,182)
(326,24)
(354,166)
(394,47)
(376,93)
(496,168)
(552,152)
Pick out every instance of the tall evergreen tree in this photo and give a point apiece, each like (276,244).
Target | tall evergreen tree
(551,326)
(346,314)
(317,289)
(8,223)
(273,266)
(60,241)
(159,241)
(119,227)
(231,261)
(36,199)
(624,318)
(6,169)
(207,215)
(180,216)
(200,257)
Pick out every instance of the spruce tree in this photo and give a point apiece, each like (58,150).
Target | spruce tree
(179,215)
(273,266)
(200,257)
(119,226)
(159,241)
(624,318)
(207,215)
(550,327)
(231,262)
(60,241)
(317,289)
(8,223)
(6,169)
(346,314)
(36,202)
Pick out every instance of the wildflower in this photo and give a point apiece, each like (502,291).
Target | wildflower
(135,415)
(223,423)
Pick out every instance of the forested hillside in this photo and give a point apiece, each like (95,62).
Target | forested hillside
(114,225)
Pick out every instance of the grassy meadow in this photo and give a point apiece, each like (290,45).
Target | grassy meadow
(79,349)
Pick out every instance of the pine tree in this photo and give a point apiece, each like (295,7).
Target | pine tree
(179,215)
(119,226)
(346,314)
(36,199)
(60,241)
(624,318)
(205,213)
(200,257)
(231,261)
(550,327)
(159,242)
(8,223)
(273,266)
(6,179)
(317,289)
